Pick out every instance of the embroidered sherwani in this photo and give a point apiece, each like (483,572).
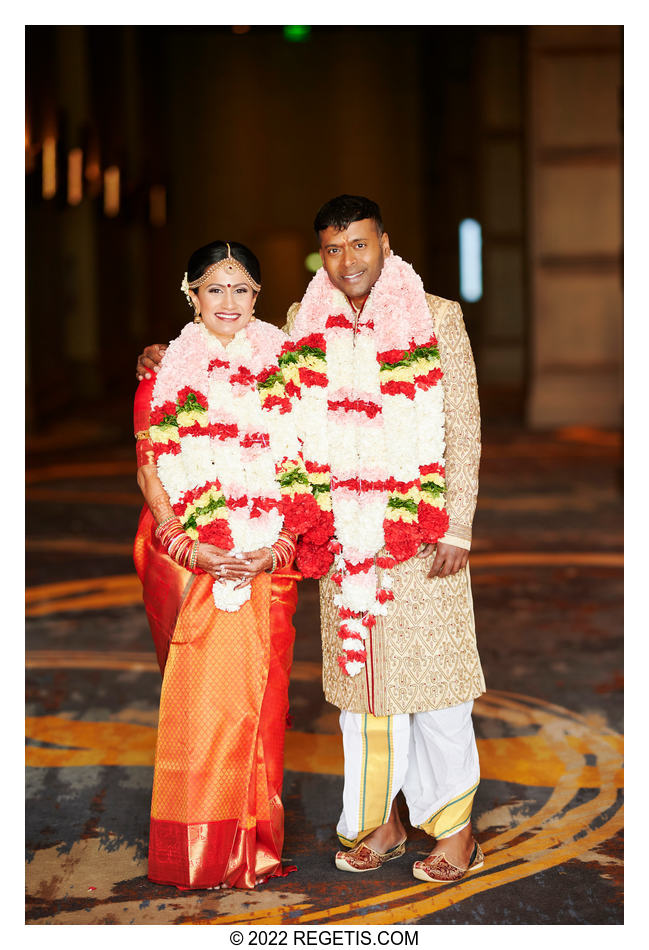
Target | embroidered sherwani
(423,655)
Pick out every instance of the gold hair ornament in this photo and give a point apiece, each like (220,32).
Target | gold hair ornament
(229,264)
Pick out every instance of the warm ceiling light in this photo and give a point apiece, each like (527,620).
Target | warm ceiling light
(111,191)
(49,167)
(75,176)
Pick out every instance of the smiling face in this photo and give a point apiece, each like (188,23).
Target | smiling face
(225,303)
(353,259)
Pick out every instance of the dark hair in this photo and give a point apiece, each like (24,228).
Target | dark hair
(210,254)
(340,212)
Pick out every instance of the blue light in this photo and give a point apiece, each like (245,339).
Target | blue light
(470,260)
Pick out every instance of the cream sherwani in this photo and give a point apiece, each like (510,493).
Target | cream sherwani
(406,720)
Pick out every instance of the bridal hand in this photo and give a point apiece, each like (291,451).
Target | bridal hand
(221,564)
(258,561)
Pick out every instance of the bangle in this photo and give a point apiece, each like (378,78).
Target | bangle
(177,543)
(273,566)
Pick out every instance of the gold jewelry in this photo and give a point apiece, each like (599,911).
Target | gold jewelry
(185,289)
(229,264)
(197,316)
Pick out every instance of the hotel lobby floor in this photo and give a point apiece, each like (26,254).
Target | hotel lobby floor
(547,581)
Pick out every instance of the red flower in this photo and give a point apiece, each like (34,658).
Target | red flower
(390,356)
(221,430)
(429,380)
(433,468)
(267,373)
(392,485)
(159,412)
(168,448)
(383,595)
(315,467)
(313,560)
(217,532)
(358,655)
(313,340)
(281,401)
(259,504)
(369,621)
(291,389)
(309,377)
(339,321)
(361,568)
(433,522)
(194,429)
(255,438)
(335,547)
(183,394)
(241,502)
(395,387)
(192,494)
(244,377)
(354,405)
(216,363)
(337,578)
(301,513)
(345,613)
(320,532)
(346,634)
(361,484)
(349,656)
(385,562)
(402,540)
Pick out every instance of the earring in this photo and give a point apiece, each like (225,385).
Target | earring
(197,317)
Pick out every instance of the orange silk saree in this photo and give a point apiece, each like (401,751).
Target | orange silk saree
(216,813)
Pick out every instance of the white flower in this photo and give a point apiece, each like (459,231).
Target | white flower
(353,667)
(227,598)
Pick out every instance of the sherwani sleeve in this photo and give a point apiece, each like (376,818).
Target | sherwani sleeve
(461,418)
(290,317)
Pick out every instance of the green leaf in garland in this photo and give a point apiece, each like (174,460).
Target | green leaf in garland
(213,505)
(191,404)
(293,477)
(433,488)
(295,356)
(403,503)
(270,382)
(420,353)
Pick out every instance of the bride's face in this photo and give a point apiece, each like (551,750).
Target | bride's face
(225,303)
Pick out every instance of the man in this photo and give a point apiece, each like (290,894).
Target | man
(409,669)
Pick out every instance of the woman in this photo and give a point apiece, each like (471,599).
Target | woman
(225,489)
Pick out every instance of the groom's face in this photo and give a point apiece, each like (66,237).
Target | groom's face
(353,259)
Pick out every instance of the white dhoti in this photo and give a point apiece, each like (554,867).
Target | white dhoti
(431,756)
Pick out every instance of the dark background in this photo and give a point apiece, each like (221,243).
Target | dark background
(243,135)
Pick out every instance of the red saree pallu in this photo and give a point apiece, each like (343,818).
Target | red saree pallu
(216,813)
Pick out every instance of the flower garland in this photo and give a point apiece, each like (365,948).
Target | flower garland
(225,444)
(370,412)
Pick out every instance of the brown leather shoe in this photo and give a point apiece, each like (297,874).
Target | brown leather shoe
(439,870)
(363,858)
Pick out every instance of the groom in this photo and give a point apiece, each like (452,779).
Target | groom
(406,706)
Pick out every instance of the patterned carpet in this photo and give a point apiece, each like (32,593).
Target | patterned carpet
(547,579)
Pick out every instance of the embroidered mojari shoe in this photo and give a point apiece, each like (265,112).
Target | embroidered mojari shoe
(440,871)
(363,858)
